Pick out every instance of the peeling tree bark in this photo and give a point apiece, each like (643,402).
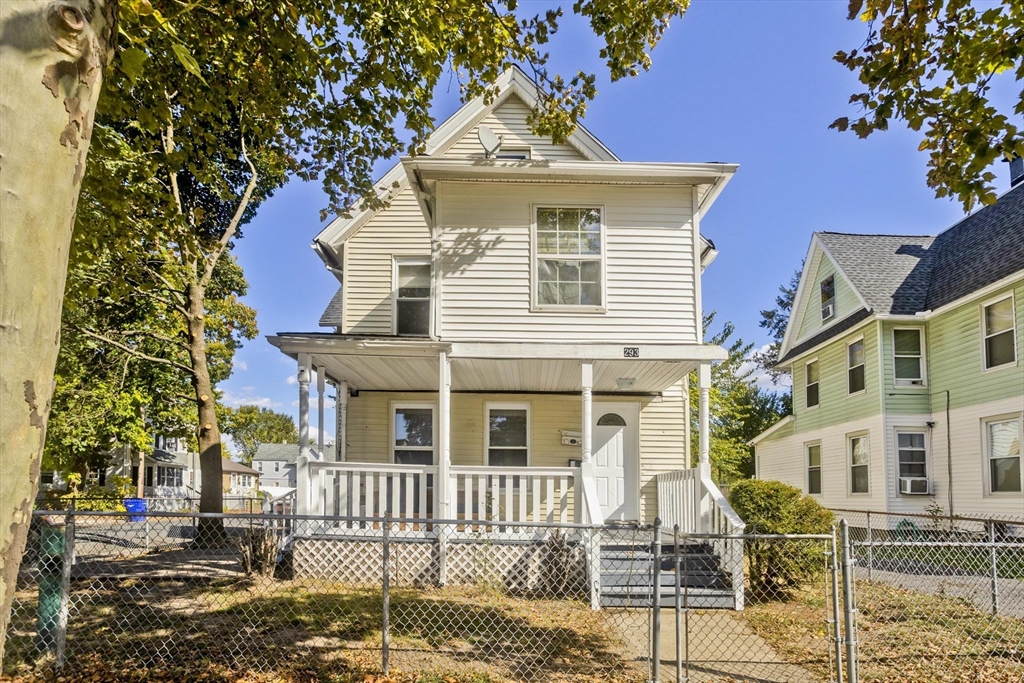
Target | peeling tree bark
(52,57)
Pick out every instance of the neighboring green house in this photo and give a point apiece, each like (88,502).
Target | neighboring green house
(900,345)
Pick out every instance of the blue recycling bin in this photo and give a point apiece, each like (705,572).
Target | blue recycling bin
(135,505)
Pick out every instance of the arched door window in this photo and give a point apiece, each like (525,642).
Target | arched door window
(611,420)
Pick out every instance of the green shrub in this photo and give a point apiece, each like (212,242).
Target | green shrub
(777,567)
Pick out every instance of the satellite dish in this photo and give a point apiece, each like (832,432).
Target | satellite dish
(490,142)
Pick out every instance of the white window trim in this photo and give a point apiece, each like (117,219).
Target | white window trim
(986,466)
(906,383)
(818,404)
(528,407)
(807,468)
(927,454)
(849,367)
(410,261)
(984,336)
(834,299)
(394,406)
(536,307)
(514,150)
(849,463)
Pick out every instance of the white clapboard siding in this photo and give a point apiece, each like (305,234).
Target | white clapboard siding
(485,261)
(509,121)
(399,230)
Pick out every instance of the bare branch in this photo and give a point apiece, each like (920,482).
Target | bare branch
(137,354)
(229,232)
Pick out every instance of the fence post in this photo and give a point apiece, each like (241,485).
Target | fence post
(849,609)
(995,566)
(65,584)
(837,636)
(871,548)
(656,602)
(386,596)
(679,605)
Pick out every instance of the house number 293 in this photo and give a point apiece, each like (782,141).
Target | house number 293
(630,351)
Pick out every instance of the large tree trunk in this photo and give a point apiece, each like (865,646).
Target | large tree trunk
(52,57)
(211,498)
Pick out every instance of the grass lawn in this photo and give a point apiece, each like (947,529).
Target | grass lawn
(263,630)
(904,636)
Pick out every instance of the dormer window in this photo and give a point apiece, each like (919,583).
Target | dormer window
(411,307)
(569,268)
(828,298)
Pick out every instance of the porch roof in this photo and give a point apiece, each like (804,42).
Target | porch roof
(390,364)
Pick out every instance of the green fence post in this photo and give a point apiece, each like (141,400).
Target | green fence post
(56,548)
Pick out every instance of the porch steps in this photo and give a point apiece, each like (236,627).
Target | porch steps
(627,571)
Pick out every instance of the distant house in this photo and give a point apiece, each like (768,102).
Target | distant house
(239,480)
(907,358)
(275,463)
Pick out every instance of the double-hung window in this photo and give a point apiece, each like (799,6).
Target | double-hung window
(908,356)
(814,468)
(412,298)
(811,383)
(855,367)
(277,466)
(999,332)
(168,476)
(860,455)
(413,434)
(912,454)
(828,298)
(569,251)
(508,435)
(1003,451)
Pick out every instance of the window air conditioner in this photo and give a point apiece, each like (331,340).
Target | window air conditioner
(828,311)
(914,486)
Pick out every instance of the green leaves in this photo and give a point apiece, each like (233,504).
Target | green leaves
(187,60)
(132,59)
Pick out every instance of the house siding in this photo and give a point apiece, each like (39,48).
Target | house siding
(398,231)
(661,431)
(903,400)
(846,299)
(508,120)
(486,252)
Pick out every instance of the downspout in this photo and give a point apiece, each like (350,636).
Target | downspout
(949,460)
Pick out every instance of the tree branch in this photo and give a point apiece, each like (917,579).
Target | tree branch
(137,354)
(243,204)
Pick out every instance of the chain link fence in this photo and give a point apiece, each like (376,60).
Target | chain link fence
(102,594)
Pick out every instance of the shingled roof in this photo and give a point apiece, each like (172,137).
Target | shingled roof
(333,314)
(908,274)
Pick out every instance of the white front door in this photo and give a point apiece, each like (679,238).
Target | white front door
(615,458)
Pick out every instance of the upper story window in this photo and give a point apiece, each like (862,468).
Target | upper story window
(814,468)
(999,333)
(855,367)
(828,298)
(811,389)
(259,466)
(569,252)
(411,306)
(1003,451)
(277,466)
(908,357)
(413,434)
(508,434)
(513,153)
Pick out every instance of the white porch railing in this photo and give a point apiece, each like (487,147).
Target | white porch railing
(356,489)
(514,494)
(691,499)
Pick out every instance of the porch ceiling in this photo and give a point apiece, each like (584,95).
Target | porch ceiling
(389,373)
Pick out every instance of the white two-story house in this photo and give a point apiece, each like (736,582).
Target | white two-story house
(512,335)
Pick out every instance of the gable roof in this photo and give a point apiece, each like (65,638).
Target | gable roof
(513,82)
(229,466)
(289,452)
(915,274)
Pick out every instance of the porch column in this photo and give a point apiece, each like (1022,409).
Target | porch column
(321,390)
(444,395)
(587,369)
(302,463)
(704,385)
(341,421)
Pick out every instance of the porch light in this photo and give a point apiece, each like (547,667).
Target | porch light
(625,383)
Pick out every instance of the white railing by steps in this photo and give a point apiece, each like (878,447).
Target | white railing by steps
(691,499)
(513,494)
(356,489)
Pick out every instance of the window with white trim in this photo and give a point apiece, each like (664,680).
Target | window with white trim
(912,454)
(814,468)
(1003,451)
(855,359)
(277,466)
(259,466)
(414,434)
(908,356)
(828,298)
(569,271)
(508,435)
(811,383)
(860,456)
(998,328)
(412,298)
(168,476)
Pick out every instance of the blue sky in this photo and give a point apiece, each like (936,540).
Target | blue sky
(743,81)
